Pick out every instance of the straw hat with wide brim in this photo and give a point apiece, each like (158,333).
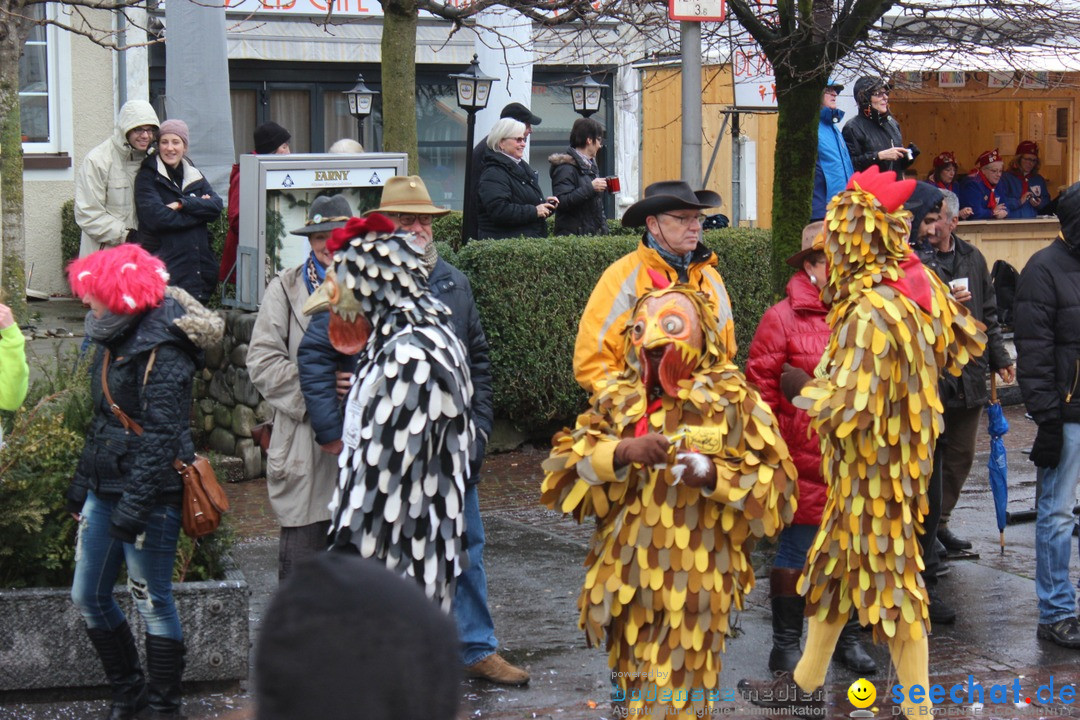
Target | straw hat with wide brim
(666,196)
(327,212)
(409,195)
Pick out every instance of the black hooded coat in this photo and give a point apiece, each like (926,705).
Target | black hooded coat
(870,132)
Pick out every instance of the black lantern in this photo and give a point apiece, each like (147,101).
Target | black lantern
(473,93)
(473,88)
(360,100)
(586,95)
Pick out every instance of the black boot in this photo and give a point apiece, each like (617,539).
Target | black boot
(851,653)
(787,619)
(164,669)
(119,656)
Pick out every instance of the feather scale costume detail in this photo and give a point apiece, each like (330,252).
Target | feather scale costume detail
(408,429)
(669,562)
(876,408)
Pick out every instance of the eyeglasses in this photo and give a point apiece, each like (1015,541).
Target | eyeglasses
(407,220)
(519,140)
(686,220)
(880,94)
(145,130)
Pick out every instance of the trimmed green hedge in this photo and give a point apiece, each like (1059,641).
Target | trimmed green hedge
(531,294)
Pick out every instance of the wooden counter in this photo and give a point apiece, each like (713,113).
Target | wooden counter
(1013,241)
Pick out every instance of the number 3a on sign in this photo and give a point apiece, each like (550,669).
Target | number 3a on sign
(696,10)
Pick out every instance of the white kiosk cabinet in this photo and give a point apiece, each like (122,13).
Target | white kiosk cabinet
(275,194)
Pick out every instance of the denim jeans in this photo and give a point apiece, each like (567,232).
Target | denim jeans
(794,546)
(476,629)
(149,566)
(1054,499)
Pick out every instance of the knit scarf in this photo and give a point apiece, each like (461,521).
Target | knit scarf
(680,263)
(429,258)
(314,273)
(108,326)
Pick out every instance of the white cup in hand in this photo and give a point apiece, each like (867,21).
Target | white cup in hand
(959,285)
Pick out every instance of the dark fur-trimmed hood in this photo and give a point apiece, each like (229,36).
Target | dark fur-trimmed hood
(563,158)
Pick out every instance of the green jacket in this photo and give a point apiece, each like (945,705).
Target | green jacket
(14,371)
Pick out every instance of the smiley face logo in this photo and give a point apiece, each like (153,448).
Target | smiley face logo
(862,693)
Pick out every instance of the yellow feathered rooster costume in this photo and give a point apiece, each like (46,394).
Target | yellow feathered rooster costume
(875,406)
(670,557)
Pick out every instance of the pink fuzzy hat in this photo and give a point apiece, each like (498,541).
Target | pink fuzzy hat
(126,278)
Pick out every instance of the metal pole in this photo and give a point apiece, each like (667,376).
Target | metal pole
(691,102)
(715,150)
(471,125)
(736,171)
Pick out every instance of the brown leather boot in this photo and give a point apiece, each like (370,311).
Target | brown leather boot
(495,669)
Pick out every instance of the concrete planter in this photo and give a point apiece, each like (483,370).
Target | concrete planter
(43,642)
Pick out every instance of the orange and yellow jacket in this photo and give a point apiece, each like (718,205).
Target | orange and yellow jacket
(598,352)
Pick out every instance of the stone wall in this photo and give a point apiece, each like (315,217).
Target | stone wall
(227,405)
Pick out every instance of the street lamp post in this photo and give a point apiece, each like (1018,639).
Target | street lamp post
(473,92)
(586,95)
(360,97)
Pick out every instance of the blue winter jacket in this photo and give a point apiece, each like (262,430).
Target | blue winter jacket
(833,169)
(1011,187)
(317,362)
(974,194)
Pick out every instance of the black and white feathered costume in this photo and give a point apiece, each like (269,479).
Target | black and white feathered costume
(408,428)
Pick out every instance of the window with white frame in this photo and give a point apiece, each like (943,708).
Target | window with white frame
(38,102)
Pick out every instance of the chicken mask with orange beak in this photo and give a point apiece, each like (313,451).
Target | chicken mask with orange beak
(377,278)
(671,335)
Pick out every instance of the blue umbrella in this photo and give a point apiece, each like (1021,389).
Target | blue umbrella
(999,485)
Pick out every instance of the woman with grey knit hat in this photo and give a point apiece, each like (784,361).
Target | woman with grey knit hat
(175,205)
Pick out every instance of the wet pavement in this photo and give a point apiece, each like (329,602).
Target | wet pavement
(534,562)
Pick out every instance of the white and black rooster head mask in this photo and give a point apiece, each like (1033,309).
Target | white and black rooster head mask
(376,272)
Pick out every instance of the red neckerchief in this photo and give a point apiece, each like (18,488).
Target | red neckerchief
(945,186)
(642,426)
(1023,181)
(992,202)
(914,285)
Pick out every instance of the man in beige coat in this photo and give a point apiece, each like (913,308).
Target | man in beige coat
(300,476)
(105,183)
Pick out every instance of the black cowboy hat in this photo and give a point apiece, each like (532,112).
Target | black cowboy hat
(666,196)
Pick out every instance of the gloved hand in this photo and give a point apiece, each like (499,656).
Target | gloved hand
(649,449)
(694,469)
(792,380)
(1046,451)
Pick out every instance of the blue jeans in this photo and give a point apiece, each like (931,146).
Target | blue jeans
(149,567)
(794,546)
(475,626)
(1054,499)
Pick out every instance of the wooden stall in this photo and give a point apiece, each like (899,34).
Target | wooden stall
(661,151)
(1013,241)
(970,112)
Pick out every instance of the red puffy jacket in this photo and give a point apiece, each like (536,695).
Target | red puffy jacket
(793,331)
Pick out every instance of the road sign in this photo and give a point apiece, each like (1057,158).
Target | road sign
(696,10)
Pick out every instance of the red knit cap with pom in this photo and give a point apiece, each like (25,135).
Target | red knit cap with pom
(126,278)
